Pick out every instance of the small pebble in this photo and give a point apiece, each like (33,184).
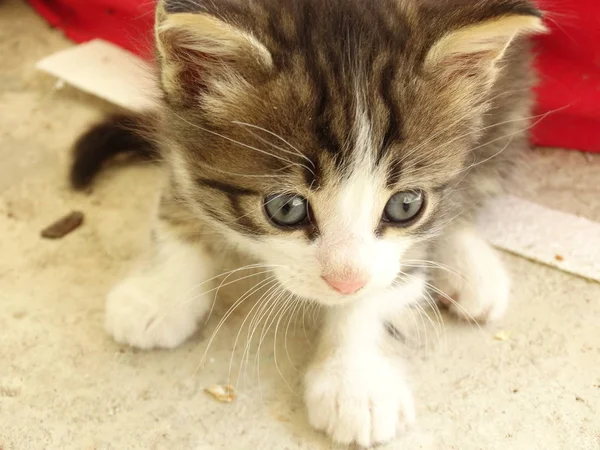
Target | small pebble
(502,336)
(8,389)
(224,394)
(63,226)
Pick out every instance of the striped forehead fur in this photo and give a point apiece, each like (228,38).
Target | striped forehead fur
(346,91)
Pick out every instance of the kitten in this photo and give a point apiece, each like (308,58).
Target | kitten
(343,144)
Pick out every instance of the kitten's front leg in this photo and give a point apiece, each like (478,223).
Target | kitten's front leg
(355,388)
(160,303)
(471,278)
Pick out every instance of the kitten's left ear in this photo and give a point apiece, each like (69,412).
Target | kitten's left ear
(475,50)
(199,52)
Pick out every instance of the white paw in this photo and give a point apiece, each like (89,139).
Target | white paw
(139,317)
(474,285)
(160,303)
(366,402)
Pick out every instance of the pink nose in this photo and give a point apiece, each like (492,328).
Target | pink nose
(347,287)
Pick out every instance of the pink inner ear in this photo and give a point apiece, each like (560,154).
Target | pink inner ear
(467,65)
(193,67)
(190,76)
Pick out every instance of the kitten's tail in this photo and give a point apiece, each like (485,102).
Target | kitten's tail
(120,134)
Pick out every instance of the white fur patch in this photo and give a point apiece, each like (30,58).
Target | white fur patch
(160,303)
(475,278)
(355,392)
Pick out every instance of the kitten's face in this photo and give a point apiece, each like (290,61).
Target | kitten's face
(327,160)
(334,225)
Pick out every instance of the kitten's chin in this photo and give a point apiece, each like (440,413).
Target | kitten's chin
(332,301)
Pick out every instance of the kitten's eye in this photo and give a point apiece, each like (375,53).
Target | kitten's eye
(404,207)
(287,210)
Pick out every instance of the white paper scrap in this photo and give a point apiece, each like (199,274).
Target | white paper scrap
(551,237)
(107,71)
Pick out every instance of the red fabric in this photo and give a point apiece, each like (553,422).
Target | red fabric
(568,107)
(126,23)
(569,66)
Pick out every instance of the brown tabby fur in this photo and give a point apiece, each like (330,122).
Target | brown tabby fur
(222,122)
(430,134)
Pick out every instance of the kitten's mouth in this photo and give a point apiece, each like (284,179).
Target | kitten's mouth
(331,298)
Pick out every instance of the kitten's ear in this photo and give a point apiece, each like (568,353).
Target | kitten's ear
(199,51)
(475,50)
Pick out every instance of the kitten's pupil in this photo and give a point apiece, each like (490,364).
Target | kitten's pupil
(290,205)
(406,205)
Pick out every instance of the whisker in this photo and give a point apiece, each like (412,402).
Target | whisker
(234,141)
(428,264)
(296,306)
(455,122)
(540,117)
(229,283)
(288,307)
(230,311)
(271,309)
(223,284)
(265,297)
(455,303)
(315,314)
(297,152)
(255,322)
(419,309)
(187,300)
(440,329)
(409,310)
(235,174)
(304,306)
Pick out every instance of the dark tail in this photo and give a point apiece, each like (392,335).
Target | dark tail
(121,134)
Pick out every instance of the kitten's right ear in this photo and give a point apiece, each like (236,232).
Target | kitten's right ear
(472,53)
(198,52)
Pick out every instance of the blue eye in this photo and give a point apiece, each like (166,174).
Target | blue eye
(287,210)
(404,207)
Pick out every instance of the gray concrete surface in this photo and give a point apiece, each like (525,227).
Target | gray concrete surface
(65,385)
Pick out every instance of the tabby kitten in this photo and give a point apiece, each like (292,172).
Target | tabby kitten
(341,143)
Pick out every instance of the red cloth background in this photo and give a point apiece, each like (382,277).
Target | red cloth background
(568,109)
(127,23)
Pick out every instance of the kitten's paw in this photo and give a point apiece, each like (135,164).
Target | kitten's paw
(474,285)
(140,317)
(365,402)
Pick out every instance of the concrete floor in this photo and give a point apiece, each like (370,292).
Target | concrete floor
(65,385)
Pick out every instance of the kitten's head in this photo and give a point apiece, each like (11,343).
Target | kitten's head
(324,136)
